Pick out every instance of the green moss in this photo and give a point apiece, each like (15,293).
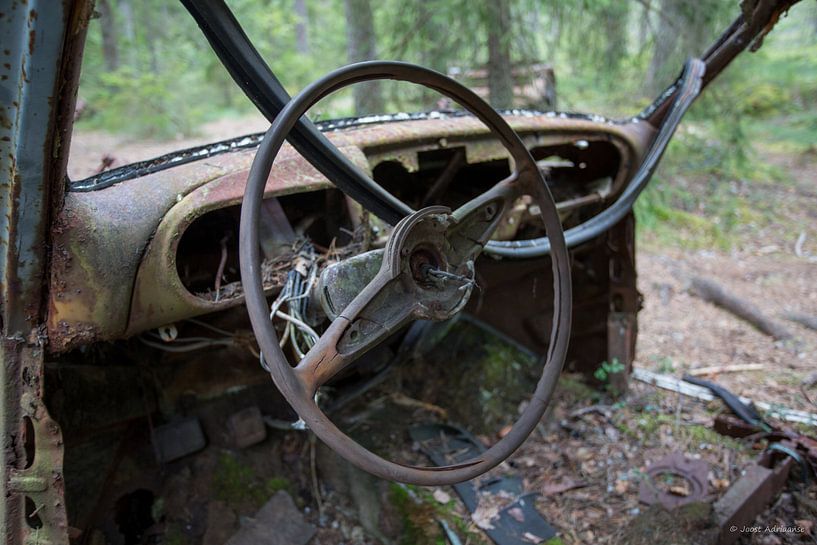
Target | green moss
(492,376)
(501,366)
(417,518)
(641,426)
(420,515)
(697,433)
(275,484)
(238,485)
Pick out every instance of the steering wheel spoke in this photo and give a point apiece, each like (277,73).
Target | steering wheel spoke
(378,311)
(477,219)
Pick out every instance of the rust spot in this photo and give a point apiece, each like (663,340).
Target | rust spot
(32,36)
(66,336)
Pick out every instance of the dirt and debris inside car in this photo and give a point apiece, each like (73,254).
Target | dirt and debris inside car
(178,435)
(583,466)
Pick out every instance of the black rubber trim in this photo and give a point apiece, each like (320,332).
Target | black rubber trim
(250,141)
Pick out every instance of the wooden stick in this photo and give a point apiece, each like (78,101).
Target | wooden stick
(714,293)
(726,369)
(668,382)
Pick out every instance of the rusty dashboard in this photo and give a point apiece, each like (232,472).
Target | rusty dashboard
(155,240)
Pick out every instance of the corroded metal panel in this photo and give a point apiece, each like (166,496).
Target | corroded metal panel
(119,243)
(33,35)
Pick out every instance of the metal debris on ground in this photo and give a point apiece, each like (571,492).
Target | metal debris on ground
(745,411)
(674,384)
(692,472)
(499,506)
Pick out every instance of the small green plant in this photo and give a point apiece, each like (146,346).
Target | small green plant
(606,370)
(608,373)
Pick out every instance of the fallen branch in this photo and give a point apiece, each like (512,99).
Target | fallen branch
(674,384)
(716,370)
(716,294)
(807,383)
(802,319)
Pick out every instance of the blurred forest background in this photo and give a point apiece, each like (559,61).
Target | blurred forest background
(149,74)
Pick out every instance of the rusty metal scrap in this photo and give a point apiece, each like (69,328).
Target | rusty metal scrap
(693,472)
(748,497)
(764,479)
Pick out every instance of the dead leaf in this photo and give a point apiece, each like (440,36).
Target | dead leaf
(441,496)
(531,538)
(552,488)
(584,453)
(719,484)
(484,514)
(622,486)
(680,490)
(517,514)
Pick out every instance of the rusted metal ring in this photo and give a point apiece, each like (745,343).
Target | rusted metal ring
(283,374)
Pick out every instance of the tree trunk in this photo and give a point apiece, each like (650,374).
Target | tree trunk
(664,42)
(360,45)
(644,24)
(128,31)
(107,25)
(500,73)
(433,53)
(152,37)
(301,27)
(614,20)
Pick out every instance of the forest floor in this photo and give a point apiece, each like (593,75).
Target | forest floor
(594,450)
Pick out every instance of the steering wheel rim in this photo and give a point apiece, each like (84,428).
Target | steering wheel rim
(300,392)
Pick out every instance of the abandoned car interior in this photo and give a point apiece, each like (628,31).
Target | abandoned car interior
(311,289)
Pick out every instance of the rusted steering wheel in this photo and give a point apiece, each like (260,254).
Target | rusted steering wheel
(426,273)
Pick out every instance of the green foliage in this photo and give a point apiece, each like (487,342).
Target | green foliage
(606,370)
(609,374)
(169,82)
(142,104)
